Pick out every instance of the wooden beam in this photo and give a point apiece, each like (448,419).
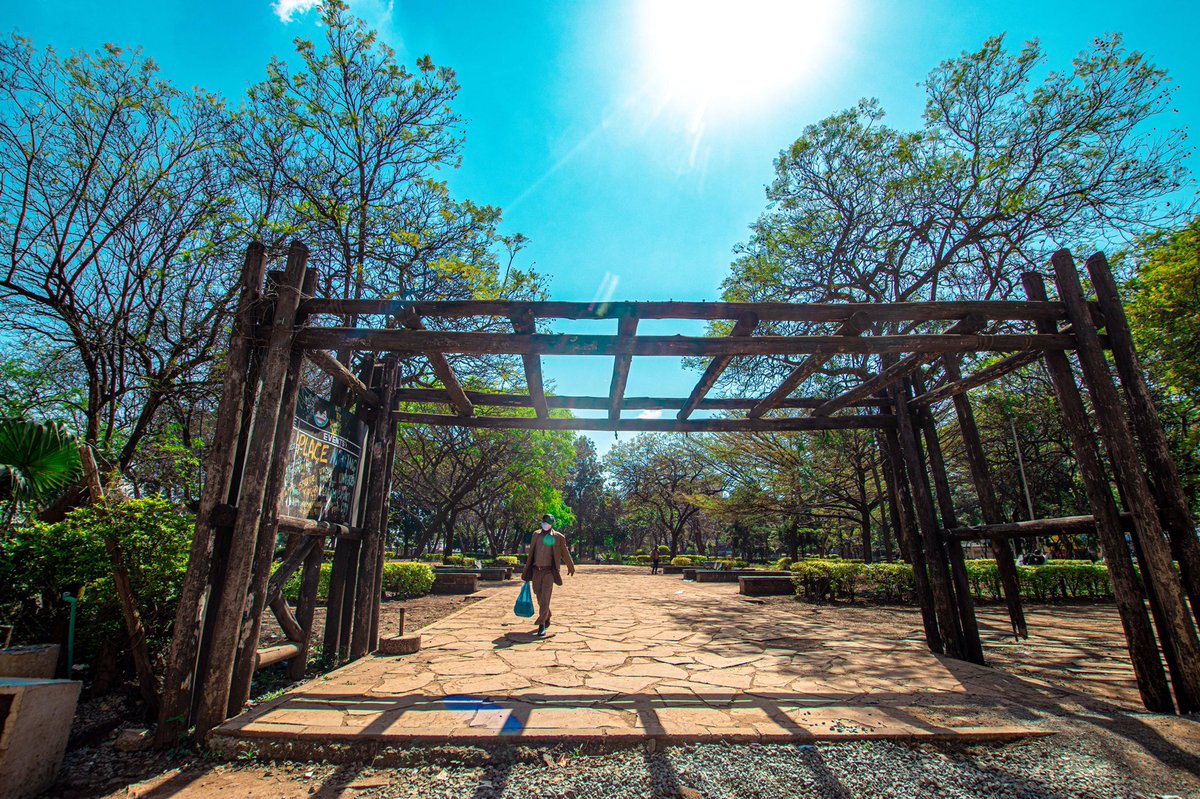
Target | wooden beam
(1127,587)
(832,313)
(331,366)
(287,622)
(743,328)
(275,654)
(626,330)
(440,397)
(894,372)
(311,527)
(441,367)
(1063,525)
(854,326)
(524,325)
(433,342)
(648,425)
(983,376)
(306,606)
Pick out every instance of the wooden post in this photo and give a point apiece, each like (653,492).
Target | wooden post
(389,467)
(1179,635)
(972,646)
(1127,589)
(264,548)
(944,603)
(907,535)
(375,496)
(180,676)
(1006,565)
(214,699)
(342,562)
(1160,466)
(306,606)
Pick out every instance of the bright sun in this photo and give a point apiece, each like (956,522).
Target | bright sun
(708,57)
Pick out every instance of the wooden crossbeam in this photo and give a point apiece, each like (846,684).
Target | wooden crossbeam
(832,313)
(1065,525)
(891,374)
(626,330)
(438,396)
(524,325)
(853,326)
(650,425)
(441,367)
(741,329)
(982,377)
(331,366)
(434,342)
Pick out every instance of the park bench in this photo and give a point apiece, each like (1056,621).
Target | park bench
(731,575)
(765,585)
(495,573)
(463,582)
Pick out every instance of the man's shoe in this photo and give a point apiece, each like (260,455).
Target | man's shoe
(541,630)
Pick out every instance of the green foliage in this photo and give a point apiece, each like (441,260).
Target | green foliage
(640,552)
(407,580)
(36,459)
(681,560)
(783,564)
(507,560)
(663,549)
(42,561)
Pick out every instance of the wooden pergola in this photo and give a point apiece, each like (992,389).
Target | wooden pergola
(232,578)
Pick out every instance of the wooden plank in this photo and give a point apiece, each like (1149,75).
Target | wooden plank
(854,326)
(742,329)
(960,385)
(981,477)
(441,367)
(524,325)
(275,654)
(1160,465)
(331,366)
(214,688)
(626,330)
(893,372)
(180,678)
(647,425)
(433,342)
(1127,587)
(766,311)
(440,397)
(1178,632)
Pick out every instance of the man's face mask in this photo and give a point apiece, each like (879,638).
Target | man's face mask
(545,525)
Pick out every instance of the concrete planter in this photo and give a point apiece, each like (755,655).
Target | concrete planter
(765,585)
(455,583)
(35,722)
(38,661)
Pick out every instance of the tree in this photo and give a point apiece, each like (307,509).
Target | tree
(585,492)
(36,460)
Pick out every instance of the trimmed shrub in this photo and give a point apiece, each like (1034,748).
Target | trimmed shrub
(507,560)
(663,549)
(681,560)
(407,580)
(431,557)
(638,560)
(783,565)
(640,552)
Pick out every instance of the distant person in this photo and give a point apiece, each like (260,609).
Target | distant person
(547,552)
(654,561)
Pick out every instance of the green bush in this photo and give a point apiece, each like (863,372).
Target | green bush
(456,560)
(640,552)
(507,560)
(431,557)
(663,549)
(291,589)
(681,560)
(783,564)
(641,559)
(40,562)
(407,580)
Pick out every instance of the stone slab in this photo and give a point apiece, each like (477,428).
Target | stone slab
(35,722)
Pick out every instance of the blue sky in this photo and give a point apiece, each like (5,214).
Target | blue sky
(583,124)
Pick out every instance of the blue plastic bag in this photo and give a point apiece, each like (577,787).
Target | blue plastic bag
(524,606)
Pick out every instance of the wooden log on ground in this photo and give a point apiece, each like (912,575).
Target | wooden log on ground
(945,607)
(1179,636)
(766,311)
(742,329)
(1160,465)
(440,397)
(180,677)
(275,654)
(331,366)
(214,690)
(854,326)
(435,342)
(643,425)
(626,330)
(981,477)
(1127,588)
(972,645)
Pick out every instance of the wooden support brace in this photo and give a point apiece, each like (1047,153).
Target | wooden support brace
(275,654)
(524,324)
(626,330)
(854,326)
(960,385)
(742,328)
(441,368)
(894,372)
(331,366)
(287,622)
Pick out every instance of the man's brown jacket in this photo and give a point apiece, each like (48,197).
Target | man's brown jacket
(559,554)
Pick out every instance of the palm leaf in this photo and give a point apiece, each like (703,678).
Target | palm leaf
(36,458)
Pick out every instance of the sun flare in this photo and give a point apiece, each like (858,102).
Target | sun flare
(708,57)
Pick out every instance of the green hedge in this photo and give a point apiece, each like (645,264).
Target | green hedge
(402,580)
(507,560)
(681,560)
(824,580)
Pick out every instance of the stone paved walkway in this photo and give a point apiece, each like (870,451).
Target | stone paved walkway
(631,656)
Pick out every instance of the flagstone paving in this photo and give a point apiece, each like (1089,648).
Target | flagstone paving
(632,656)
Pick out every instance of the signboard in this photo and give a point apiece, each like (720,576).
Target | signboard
(324,462)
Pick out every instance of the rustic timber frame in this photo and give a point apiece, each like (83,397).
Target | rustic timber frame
(231,579)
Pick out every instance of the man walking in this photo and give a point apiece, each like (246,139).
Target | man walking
(547,552)
(654,558)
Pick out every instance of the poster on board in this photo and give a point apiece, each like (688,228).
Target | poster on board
(324,462)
